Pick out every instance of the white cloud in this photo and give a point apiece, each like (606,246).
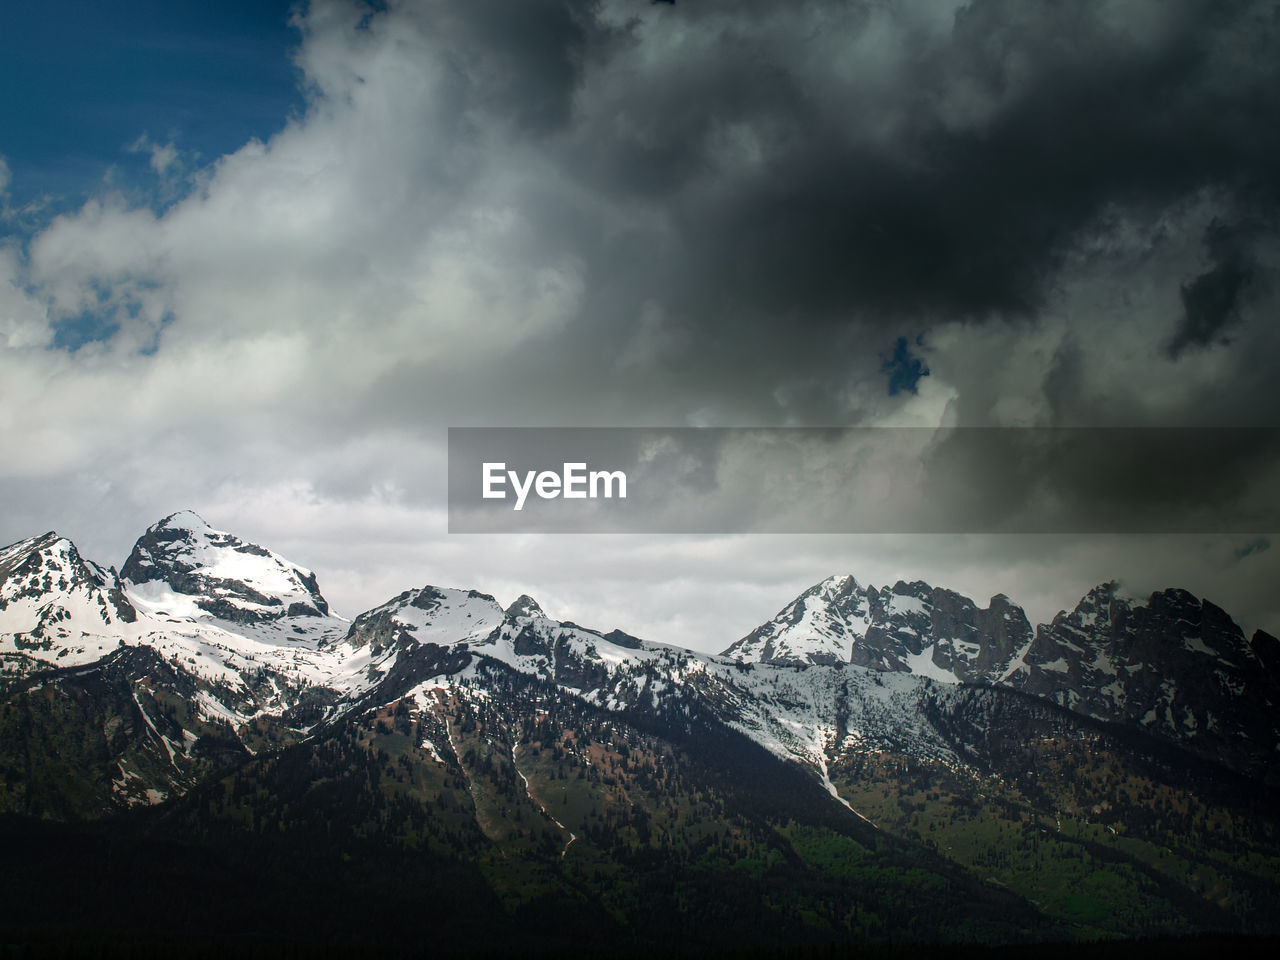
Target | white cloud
(296,334)
(24,323)
(162,157)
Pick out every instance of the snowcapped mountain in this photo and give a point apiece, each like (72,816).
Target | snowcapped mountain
(474,625)
(183,567)
(843,668)
(241,636)
(425,615)
(434,641)
(57,607)
(822,625)
(860,729)
(1174,664)
(197,595)
(906,628)
(521,636)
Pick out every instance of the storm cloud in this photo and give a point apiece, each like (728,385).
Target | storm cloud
(1212,301)
(563,213)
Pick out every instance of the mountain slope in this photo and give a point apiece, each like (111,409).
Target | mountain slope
(57,607)
(1174,665)
(183,567)
(871,763)
(907,628)
(241,632)
(79,743)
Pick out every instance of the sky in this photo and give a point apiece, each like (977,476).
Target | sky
(256,258)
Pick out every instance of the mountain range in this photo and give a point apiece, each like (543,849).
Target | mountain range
(200,732)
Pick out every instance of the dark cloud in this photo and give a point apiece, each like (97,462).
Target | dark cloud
(768,179)
(792,191)
(1211,302)
(522,61)
(1210,306)
(1064,381)
(615,212)
(948,215)
(874,480)
(1253,547)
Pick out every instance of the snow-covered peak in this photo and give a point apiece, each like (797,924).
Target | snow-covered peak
(524,606)
(1098,601)
(52,599)
(46,545)
(1173,663)
(819,626)
(186,520)
(49,565)
(23,547)
(907,628)
(183,567)
(439,615)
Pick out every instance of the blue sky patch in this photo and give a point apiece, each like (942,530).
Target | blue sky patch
(904,368)
(83,82)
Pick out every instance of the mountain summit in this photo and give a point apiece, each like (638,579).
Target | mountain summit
(892,758)
(907,628)
(1174,664)
(182,566)
(55,604)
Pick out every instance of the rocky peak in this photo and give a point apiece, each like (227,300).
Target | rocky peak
(184,567)
(50,596)
(1267,649)
(936,632)
(911,627)
(1174,664)
(47,562)
(439,615)
(819,626)
(523,606)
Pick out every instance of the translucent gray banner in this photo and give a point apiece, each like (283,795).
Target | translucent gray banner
(863,480)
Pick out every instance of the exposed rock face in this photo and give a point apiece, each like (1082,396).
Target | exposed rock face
(822,625)
(50,595)
(1174,664)
(906,628)
(842,665)
(182,565)
(1267,649)
(440,615)
(918,628)
(524,606)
